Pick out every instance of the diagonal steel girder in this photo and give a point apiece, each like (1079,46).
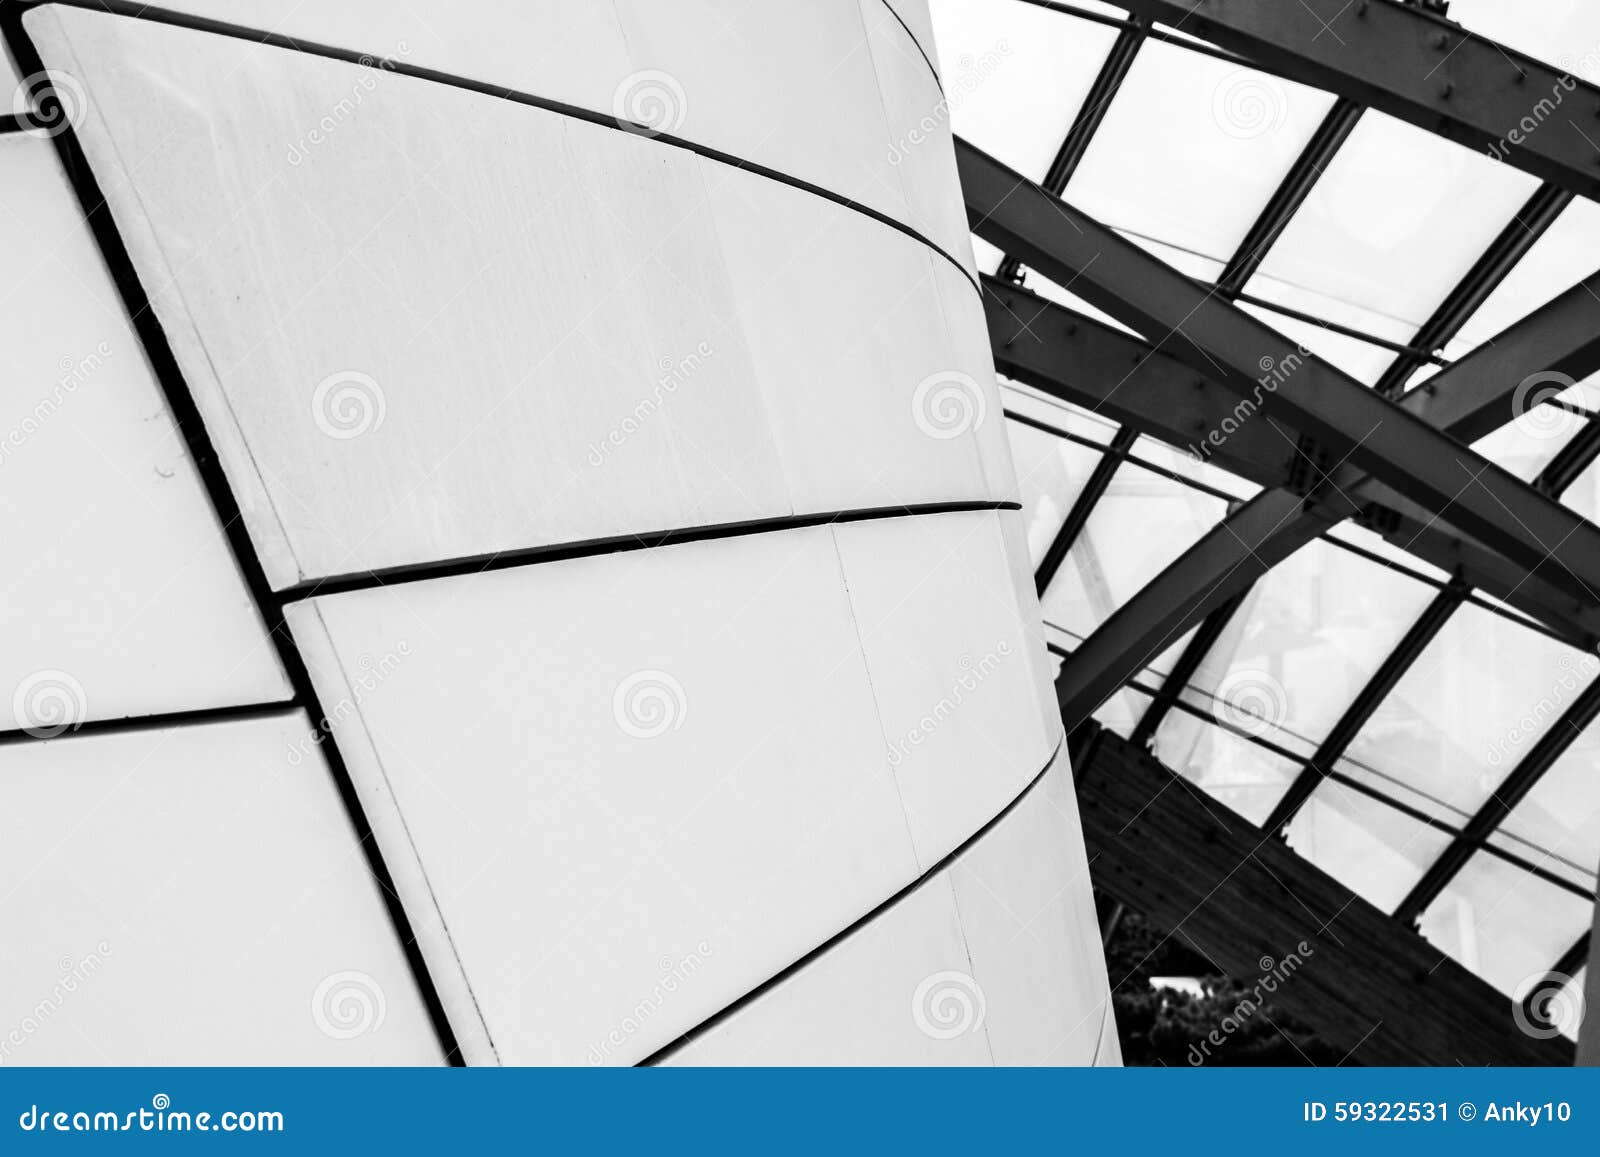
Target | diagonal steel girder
(1218,340)
(1416,66)
(1083,361)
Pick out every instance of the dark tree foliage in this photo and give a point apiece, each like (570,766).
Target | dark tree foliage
(1167,1027)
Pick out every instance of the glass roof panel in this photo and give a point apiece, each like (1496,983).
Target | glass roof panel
(1396,220)
(1038,283)
(1471,705)
(1237,773)
(1108,564)
(1309,636)
(1192,469)
(1362,360)
(1504,923)
(1377,851)
(1557,824)
(1565,254)
(1526,446)
(1016,74)
(1367,540)
(1169,164)
(1064,416)
(1549,30)
(1123,710)
(1050,473)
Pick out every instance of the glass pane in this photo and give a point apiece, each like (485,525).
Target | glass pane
(1360,536)
(1584,493)
(1396,220)
(1565,254)
(1550,30)
(1362,360)
(1526,446)
(1064,416)
(1108,564)
(1375,850)
(1030,70)
(1503,923)
(1242,775)
(1192,148)
(1557,824)
(1050,473)
(1478,697)
(1307,639)
(1188,467)
(1123,711)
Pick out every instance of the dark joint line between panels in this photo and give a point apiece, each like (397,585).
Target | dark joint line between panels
(917,44)
(186,416)
(157,722)
(843,934)
(482,88)
(615,544)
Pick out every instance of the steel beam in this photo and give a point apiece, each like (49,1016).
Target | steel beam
(1218,340)
(1418,67)
(1254,906)
(1082,361)
(1234,553)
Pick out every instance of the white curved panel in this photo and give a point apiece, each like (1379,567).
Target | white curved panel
(558,837)
(736,76)
(545,332)
(193,896)
(959,701)
(120,596)
(994,959)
